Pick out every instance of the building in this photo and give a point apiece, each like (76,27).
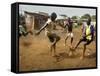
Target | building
(35,21)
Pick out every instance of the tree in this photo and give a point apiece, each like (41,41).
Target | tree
(85,16)
(63,15)
(74,17)
(93,17)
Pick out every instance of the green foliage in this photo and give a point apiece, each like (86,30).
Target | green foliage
(74,17)
(85,16)
(93,17)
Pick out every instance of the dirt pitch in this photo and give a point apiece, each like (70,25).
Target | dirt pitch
(35,55)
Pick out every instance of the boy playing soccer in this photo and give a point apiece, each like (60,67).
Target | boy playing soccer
(53,37)
(87,37)
(70,33)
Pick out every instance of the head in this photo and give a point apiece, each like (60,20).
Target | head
(89,21)
(53,16)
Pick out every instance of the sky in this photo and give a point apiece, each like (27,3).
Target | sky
(69,11)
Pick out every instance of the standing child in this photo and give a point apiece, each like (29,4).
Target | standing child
(49,31)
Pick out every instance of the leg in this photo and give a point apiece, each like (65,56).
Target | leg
(51,49)
(71,39)
(79,43)
(66,38)
(87,43)
(84,51)
(71,47)
(56,39)
(53,39)
(83,54)
(54,47)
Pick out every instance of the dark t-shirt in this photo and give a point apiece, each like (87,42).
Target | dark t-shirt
(70,26)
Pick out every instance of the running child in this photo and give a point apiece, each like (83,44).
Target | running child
(70,29)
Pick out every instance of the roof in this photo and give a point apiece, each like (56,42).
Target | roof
(33,13)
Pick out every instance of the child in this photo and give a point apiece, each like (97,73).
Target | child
(70,33)
(53,37)
(22,31)
(87,37)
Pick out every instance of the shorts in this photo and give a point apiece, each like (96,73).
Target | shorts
(70,34)
(53,36)
(86,40)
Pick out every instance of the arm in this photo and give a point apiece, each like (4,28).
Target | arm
(88,34)
(41,29)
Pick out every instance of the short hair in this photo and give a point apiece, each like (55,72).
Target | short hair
(53,16)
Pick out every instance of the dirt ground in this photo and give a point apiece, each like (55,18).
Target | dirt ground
(35,54)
